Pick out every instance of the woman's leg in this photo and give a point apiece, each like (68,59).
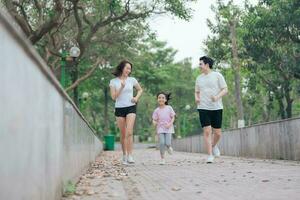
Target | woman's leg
(130,119)
(121,121)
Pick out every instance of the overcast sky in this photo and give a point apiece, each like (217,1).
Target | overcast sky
(187,37)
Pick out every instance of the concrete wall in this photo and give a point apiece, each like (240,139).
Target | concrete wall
(44,140)
(274,140)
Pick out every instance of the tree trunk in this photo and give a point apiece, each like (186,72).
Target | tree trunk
(178,125)
(281,105)
(289,107)
(236,69)
(289,100)
(94,116)
(233,122)
(266,107)
(74,78)
(250,117)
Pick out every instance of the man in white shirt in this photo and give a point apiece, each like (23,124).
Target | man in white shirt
(209,88)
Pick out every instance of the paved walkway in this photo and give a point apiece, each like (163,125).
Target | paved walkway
(186,176)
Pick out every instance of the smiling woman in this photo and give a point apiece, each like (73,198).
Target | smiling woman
(121,89)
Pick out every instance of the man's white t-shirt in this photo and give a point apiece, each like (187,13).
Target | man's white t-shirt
(124,99)
(210,85)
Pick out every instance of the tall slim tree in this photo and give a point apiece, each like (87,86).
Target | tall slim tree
(224,45)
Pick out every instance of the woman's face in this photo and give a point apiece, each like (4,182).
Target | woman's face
(161,99)
(126,70)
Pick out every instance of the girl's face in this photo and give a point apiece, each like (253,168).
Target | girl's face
(126,70)
(161,99)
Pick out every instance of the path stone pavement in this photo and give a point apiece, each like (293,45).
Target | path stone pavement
(186,176)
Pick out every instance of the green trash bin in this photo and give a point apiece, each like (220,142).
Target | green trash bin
(109,141)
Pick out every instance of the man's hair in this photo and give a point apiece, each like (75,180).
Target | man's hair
(207,60)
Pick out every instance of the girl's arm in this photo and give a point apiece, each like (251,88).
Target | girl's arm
(171,122)
(154,122)
(154,118)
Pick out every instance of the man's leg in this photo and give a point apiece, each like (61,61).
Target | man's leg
(207,139)
(207,130)
(216,121)
(217,132)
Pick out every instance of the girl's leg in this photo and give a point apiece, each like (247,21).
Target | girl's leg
(169,142)
(168,139)
(162,145)
(121,121)
(130,119)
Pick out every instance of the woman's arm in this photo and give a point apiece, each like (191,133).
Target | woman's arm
(139,93)
(114,92)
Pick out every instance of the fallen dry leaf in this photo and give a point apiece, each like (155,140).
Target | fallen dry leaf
(176,188)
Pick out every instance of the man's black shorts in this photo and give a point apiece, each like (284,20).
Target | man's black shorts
(122,112)
(211,118)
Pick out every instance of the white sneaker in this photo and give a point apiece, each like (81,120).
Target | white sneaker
(130,159)
(162,162)
(124,160)
(210,159)
(170,150)
(216,151)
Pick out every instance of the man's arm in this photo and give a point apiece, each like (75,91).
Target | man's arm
(197,97)
(223,92)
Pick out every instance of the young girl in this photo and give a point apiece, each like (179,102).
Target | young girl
(163,118)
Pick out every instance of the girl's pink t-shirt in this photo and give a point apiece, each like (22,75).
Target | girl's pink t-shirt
(163,116)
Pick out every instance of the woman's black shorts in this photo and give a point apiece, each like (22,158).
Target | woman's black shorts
(122,112)
(211,118)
